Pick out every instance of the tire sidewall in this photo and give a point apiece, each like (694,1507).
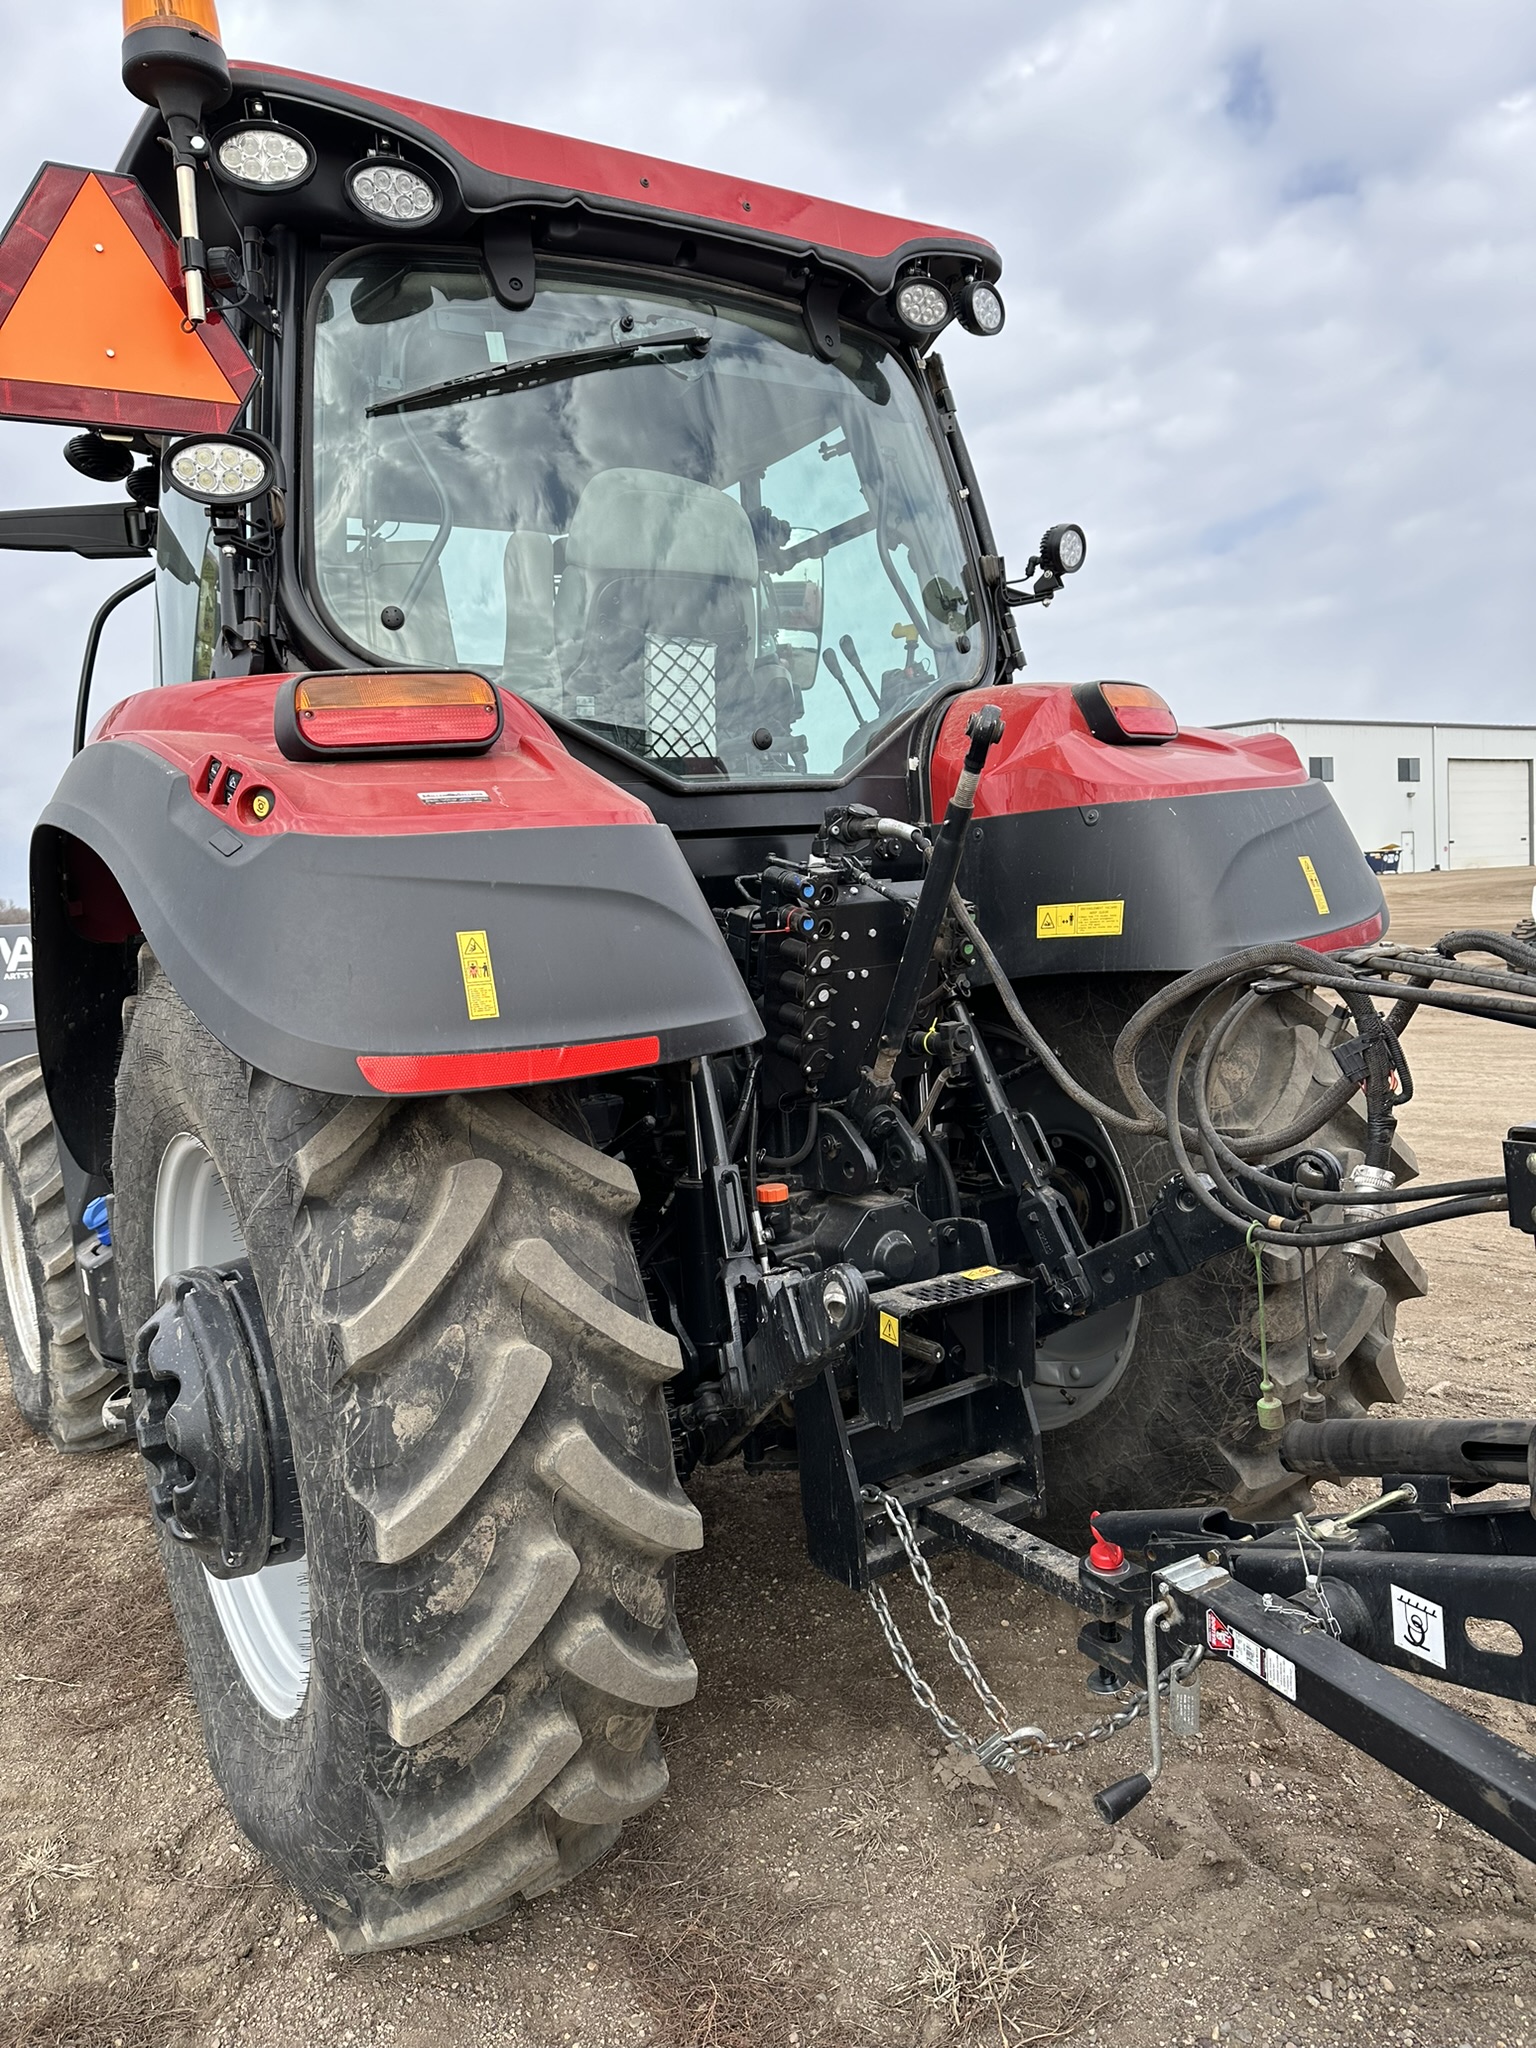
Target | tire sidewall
(295,1777)
(29,1388)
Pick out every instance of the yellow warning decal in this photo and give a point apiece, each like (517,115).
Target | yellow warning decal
(479,976)
(890,1329)
(981,1272)
(1080,920)
(1313,884)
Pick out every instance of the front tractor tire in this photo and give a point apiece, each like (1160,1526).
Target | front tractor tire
(58,1381)
(449,1700)
(1154,1406)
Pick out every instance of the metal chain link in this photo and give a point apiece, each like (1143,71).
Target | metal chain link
(999,1752)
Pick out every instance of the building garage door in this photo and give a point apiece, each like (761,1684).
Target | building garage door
(1490,814)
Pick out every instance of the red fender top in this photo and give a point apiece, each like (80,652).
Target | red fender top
(1047,759)
(527,779)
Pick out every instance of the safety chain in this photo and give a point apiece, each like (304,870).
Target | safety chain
(999,1752)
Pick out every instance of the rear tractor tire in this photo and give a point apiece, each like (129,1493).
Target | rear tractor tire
(58,1381)
(1153,1405)
(448,1701)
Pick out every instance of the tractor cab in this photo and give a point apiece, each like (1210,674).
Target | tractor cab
(666,455)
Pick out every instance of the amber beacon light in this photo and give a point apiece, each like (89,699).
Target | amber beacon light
(328,717)
(173,59)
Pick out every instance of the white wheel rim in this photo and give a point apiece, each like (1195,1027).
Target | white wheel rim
(18,1281)
(264,1616)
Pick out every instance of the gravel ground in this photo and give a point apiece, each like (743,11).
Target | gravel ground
(816,1874)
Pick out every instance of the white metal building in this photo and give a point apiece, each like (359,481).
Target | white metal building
(1450,796)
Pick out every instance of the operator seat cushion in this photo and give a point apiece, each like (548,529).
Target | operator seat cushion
(529,666)
(656,621)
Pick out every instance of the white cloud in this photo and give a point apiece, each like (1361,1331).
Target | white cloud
(1269,267)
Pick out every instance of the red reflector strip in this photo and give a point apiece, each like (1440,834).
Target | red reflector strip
(1352,935)
(443,1073)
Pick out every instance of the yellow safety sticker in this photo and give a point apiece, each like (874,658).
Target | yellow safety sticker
(981,1272)
(1313,884)
(890,1329)
(1080,920)
(479,976)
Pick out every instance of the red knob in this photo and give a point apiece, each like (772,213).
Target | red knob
(1103,1555)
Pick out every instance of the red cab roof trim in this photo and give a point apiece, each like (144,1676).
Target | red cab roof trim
(517,163)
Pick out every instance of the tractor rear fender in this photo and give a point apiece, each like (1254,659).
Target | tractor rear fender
(1090,857)
(353,961)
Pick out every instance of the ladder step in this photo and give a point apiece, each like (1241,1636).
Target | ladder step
(949,1290)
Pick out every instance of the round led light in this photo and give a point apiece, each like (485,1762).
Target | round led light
(264,159)
(387,190)
(216,471)
(1063,549)
(922,306)
(981,308)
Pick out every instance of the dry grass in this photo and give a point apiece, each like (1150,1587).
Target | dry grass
(869,1825)
(985,1990)
(44,1865)
(716,1968)
(118,2015)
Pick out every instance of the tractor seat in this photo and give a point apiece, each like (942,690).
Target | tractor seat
(655,620)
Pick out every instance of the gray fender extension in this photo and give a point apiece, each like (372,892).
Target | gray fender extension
(302,952)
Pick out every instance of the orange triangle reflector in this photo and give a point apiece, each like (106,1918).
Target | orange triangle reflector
(93,327)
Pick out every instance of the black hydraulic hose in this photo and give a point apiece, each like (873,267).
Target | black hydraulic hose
(1503,945)
(1501,997)
(744,1109)
(802,1152)
(92,648)
(985,729)
(1150,1122)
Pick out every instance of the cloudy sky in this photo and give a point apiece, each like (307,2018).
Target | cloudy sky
(1269,268)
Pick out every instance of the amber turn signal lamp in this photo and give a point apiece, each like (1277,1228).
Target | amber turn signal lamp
(1125,714)
(331,717)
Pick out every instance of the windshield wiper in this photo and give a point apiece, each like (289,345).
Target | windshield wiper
(529,374)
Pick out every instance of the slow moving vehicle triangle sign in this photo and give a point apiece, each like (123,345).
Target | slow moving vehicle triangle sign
(93,328)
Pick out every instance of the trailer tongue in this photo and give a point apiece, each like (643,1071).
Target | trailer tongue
(1314,1608)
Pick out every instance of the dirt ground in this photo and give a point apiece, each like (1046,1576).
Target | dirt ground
(811,1877)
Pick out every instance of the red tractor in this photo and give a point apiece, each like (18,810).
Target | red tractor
(589,959)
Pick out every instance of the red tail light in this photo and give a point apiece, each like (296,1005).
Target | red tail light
(324,717)
(1125,713)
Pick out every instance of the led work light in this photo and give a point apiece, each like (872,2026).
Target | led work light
(262,157)
(981,307)
(922,306)
(387,190)
(1064,549)
(219,469)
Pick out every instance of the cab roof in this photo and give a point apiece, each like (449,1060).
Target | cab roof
(498,164)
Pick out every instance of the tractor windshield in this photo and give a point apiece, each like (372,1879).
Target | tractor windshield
(674,525)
